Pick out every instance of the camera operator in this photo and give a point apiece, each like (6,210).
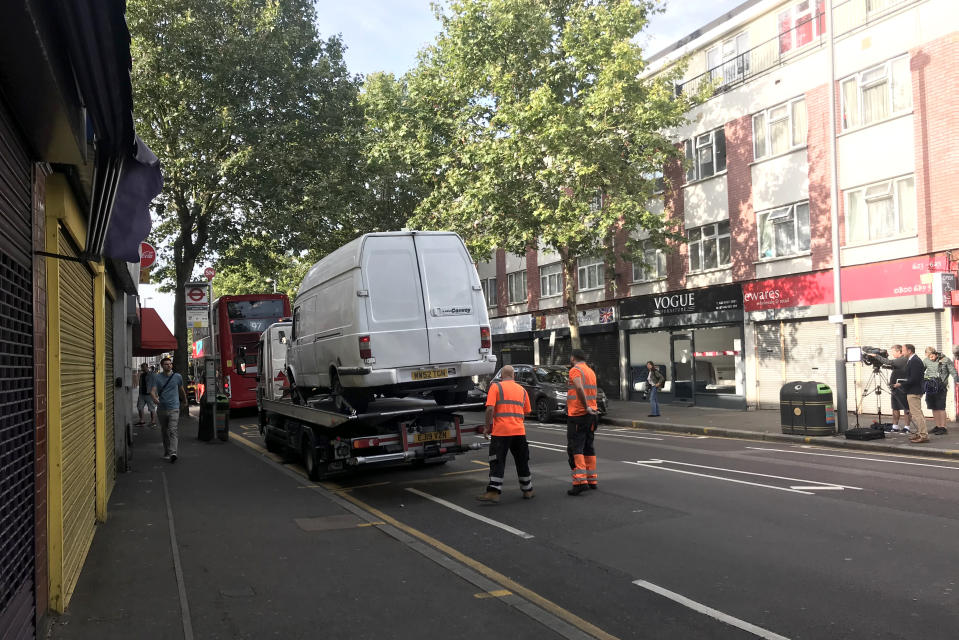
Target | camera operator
(912,385)
(936,386)
(897,362)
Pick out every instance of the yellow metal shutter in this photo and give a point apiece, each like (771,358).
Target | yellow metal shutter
(78,402)
(108,400)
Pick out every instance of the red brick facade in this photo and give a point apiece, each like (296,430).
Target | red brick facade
(739,190)
(935,122)
(820,179)
(40,387)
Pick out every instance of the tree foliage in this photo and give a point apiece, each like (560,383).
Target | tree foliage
(249,111)
(523,112)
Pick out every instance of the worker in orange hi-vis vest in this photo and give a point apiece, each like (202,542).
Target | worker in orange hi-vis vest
(507,404)
(581,420)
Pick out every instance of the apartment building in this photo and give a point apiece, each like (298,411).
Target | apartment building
(744,305)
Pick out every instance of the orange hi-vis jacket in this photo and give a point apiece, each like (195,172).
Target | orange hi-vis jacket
(510,405)
(573,406)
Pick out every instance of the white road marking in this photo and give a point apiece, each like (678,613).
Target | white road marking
(800,487)
(709,611)
(648,465)
(467,512)
(836,455)
(764,475)
(547,445)
(616,435)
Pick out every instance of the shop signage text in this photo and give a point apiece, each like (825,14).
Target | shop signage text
(586,318)
(727,297)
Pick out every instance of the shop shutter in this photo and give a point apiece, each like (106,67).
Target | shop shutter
(602,353)
(769,355)
(109,399)
(810,349)
(515,352)
(17,479)
(921,329)
(78,402)
(558,353)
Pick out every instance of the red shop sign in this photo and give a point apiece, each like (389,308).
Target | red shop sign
(892,279)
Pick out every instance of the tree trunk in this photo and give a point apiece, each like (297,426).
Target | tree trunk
(569,294)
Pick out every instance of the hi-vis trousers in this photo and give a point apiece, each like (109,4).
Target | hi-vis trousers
(499,448)
(579,446)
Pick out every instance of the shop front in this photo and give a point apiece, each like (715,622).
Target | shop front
(789,336)
(695,338)
(512,339)
(598,337)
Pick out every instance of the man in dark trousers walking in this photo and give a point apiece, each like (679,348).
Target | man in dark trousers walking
(507,404)
(915,371)
(582,415)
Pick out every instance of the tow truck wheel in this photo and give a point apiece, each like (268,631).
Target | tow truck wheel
(309,458)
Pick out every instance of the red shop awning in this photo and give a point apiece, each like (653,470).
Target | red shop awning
(152,336)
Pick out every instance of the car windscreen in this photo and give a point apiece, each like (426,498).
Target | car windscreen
(552,376)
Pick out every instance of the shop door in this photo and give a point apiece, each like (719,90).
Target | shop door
(78,401)
(17,479)
(681,359)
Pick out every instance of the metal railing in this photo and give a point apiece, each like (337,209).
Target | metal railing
(785,46)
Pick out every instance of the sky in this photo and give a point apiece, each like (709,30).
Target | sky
(385,35)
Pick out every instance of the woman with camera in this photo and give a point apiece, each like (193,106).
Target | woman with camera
(936,385)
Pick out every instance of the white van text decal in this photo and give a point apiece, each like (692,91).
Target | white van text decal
(451,311)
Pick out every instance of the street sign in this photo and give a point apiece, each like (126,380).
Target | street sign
(197,317)
(197,294)
(208,273)
(148,255)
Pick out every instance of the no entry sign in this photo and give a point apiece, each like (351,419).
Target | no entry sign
(148,255)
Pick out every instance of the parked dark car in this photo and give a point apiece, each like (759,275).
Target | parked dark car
(547,386)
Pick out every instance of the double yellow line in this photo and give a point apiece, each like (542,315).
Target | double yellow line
(488,572)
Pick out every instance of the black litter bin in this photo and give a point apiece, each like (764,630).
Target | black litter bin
(806,408)
(207,427)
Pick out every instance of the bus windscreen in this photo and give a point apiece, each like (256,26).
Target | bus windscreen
(253,316)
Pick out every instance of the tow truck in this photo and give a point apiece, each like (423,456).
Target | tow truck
(331,442)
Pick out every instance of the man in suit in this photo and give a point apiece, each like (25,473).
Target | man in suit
(915,371)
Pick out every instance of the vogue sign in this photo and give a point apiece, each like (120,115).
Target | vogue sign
(727,297)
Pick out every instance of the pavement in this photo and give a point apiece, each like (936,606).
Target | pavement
(764,424)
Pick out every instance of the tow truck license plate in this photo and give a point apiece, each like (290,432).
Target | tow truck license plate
(432,435)
(429,374)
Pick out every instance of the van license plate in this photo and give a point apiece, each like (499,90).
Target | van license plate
(429,374)
(432,435)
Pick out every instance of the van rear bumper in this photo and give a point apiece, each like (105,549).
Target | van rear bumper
(403,376)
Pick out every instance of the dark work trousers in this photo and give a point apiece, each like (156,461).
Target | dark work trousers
(580,431)
(499,447)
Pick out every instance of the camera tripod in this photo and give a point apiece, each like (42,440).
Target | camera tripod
(874,385)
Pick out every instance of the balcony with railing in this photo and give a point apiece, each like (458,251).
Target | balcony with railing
(795,39)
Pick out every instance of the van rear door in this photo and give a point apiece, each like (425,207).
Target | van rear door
(394,305)
(454,311)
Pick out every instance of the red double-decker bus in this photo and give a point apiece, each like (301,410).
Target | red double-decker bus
(238,322)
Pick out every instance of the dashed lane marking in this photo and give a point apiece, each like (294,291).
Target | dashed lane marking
(470,514)
(838,455)
(709,611)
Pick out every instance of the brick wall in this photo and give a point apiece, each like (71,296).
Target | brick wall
(739,188)
(936,120)
(820,178)
(532,279)
(40,386)
(502,290)
(676,258)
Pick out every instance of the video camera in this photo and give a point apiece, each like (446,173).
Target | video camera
(873,356)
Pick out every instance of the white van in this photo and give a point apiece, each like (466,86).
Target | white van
(271,381)
(394,314)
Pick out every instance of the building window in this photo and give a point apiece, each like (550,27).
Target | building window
(882,210)
(877,93)
(653,266)
(516,282)
(728,62)
(801,24)
(780,129)
(592,273)
(784,231)
(706,155)
(489,291)
(709,246)
(550,280)
(596,203)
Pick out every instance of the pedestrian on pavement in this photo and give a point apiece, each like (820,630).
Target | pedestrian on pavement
(915,371)
(936,385)
(168,392)
(582,415)
(507,404)
(144,399)
(654,382)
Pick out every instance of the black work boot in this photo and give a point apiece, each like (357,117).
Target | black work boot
(577,489)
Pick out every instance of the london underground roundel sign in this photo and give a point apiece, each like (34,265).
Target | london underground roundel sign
(148,255)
